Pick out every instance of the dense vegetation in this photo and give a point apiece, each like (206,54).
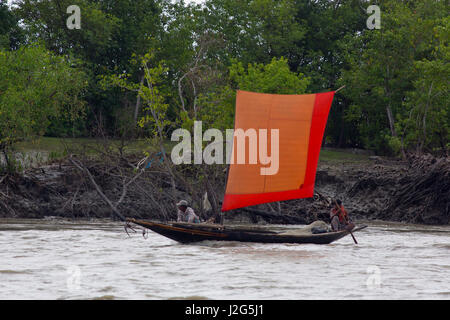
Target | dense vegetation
(142,68)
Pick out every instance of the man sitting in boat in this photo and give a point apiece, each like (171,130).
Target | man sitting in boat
(186,213)
(339,217)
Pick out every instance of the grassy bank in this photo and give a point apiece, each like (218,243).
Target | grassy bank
(59,145)
(327,156)
(56,147)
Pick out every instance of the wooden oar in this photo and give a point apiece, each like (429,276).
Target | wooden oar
(356,242)
(351,233)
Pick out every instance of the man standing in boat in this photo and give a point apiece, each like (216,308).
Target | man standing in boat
(186,213)
(339,217)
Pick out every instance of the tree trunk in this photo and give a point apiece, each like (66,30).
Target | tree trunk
(388,107)
(391,120)
(138,102)
(424,122)
(8,162)
(82,168)
(392,127)
(341,133)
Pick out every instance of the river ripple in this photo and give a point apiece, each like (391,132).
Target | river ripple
(60,259)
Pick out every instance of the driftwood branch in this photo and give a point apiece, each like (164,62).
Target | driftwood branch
(125,187)
(82,168)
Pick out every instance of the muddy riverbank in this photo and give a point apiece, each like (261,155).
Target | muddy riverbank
(417,191)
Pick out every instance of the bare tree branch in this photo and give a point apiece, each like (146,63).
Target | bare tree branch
(82,168)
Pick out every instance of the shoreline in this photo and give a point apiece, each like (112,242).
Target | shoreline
(372,189)
(66,221)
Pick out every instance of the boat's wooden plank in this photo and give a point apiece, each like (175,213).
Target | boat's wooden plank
(218,227)
(186,233)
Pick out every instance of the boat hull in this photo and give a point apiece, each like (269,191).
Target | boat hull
(189,233)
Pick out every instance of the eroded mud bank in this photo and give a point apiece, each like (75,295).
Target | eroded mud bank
(415,191)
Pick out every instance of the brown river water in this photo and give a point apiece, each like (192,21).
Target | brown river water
(60,259)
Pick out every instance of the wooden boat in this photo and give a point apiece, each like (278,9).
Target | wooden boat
(189,232)
(299,122)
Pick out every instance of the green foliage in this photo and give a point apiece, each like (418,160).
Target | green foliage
(390,74)
(110,32)
(275,77)
(396,95)
(394,144)
(305,32)
(427,122)
(151,91)
(46,21)
(255,30)
(154,96)
(11,164)
(36,86)
(217,110)
(10,33)
(57,155)
(217,107)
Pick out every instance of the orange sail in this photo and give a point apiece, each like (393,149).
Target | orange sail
(297,124)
